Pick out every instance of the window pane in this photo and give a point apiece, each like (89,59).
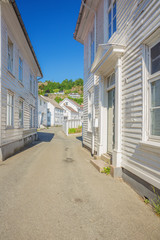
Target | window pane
(155,58)
(114,9)
(155,94)
(114,25)
(109,31)
(109,17)
(155,122)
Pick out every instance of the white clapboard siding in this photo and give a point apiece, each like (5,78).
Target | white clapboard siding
(10,27)
(135,23)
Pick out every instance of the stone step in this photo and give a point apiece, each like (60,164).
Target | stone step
(106,158)
(99,164)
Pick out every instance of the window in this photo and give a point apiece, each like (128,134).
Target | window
(112,22)
(90,110)
(111,80)
(20,113)
(10,56)
(34,118)
(40,102)
(92,46)
(31,117)
(10,108)
(155,58)
(34,91)
(30,83)
(20,69)
(154,81)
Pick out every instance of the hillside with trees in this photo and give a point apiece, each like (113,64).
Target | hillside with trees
(67,86)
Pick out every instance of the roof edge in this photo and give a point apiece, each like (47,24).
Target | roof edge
(15,7)
(79,21)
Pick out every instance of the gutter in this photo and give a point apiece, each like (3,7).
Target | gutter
(79,19)
(14,5)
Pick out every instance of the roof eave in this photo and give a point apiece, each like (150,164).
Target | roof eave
(14,5)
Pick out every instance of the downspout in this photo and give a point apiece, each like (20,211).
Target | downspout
(93,106)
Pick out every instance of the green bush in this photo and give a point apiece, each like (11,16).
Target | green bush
(75,130)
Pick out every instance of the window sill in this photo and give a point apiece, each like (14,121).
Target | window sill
(10,73)
(150,144)
(9,128)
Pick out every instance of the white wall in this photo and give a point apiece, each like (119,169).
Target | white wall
(9,82)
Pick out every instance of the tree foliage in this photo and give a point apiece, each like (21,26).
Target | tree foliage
(52,87)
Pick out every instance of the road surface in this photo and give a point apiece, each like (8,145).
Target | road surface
(50,191)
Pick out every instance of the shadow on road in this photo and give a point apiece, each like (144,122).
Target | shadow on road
(45,137)
(79,138)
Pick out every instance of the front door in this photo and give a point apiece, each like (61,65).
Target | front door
(111,120)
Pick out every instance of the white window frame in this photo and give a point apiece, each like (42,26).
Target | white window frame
(110,8)
(90,110)
(30,83)
(9,42)
(21,109)
(20,68)
(31,117)
(151,78)
(10,110)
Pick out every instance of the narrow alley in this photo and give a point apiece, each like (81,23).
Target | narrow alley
(50,191)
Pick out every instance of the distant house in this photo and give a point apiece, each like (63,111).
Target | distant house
(19,70)
(72,110)
(50,112)
(60,93)
(122,87)
(74,95)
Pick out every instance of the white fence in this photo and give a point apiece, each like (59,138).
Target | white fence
(73,123)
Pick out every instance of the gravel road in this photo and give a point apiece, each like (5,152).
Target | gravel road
(50,191)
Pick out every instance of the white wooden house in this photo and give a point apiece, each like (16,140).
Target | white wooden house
(19,70)
(121,86)
(72,110)
(50,113)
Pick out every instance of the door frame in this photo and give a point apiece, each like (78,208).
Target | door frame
(116,156)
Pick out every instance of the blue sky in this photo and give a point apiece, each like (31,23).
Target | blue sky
(50,25)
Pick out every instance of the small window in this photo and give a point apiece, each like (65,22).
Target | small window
(20,69)
(20,113)
(90,110)
(30,83)
(154,83)
(40,102)
(111,80)
(31,117)
(155,58)
(10,109)
(155,108)
(10,56)
(34,118)
(112,19)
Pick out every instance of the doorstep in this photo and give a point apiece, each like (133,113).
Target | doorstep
(99,164)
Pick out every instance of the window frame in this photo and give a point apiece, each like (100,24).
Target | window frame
(30,82)
(110,9)
(12,60)
(10,117)
(20,67)
(21,125)
(90,110)
(150,79)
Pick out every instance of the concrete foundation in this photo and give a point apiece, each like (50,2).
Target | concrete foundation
(10,149)
(143,188)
